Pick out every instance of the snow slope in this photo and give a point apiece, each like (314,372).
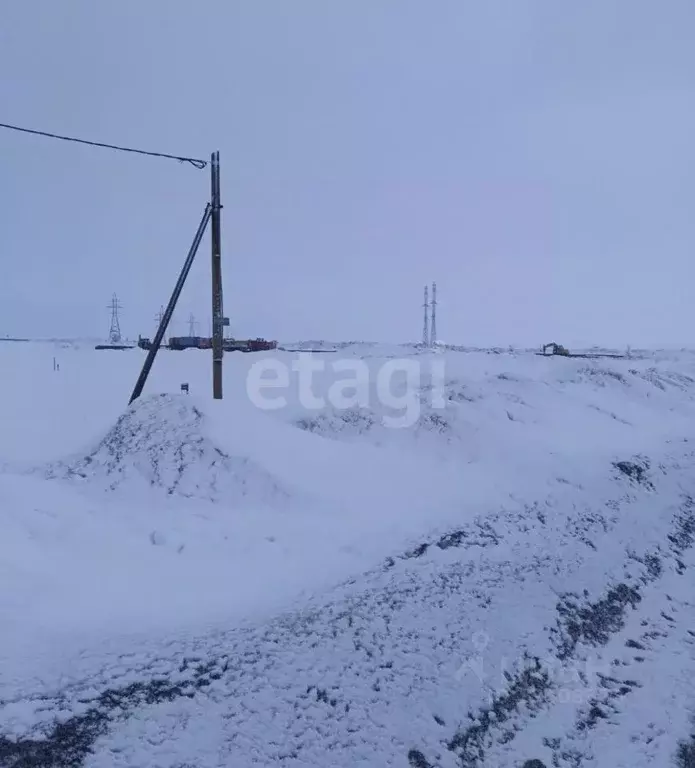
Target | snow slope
(508,579)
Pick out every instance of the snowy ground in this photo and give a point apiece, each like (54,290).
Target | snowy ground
(508,578)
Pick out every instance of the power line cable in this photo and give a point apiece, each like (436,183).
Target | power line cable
(200,164)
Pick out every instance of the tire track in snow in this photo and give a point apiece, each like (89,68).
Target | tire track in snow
(337,672)
(586,625)
(580,623)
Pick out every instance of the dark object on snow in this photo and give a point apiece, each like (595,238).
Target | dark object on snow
(555,349)
(113,346)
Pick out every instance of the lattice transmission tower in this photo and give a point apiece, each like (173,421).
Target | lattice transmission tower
(425,322)
(115,329)
(433,326)
(159,317)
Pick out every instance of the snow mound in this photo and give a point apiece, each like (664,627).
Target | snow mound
(487,407)
(507,581)
(163,442)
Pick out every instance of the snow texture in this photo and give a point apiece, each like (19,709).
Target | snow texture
(506,582)
(161,443)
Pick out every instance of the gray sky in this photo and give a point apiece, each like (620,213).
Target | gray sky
(534,158)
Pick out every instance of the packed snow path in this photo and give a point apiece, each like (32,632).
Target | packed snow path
(553,627)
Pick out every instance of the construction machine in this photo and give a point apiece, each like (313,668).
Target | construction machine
(555,349)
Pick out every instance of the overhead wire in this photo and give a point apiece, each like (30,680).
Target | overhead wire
(200,164)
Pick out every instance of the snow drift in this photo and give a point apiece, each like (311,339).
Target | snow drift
(162,442)
(505,583)
(496,407)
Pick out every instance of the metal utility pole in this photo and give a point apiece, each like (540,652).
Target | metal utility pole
(425,323)
(217,311)
(433,326)
(192,323)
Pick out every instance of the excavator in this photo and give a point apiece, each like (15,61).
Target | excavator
(555,349)
(548,350)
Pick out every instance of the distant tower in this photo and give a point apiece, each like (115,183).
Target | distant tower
(433,327)
(425,324)
(115,330)
(191,324)
(159,317)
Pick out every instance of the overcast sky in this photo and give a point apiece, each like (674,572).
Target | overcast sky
(536,159)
